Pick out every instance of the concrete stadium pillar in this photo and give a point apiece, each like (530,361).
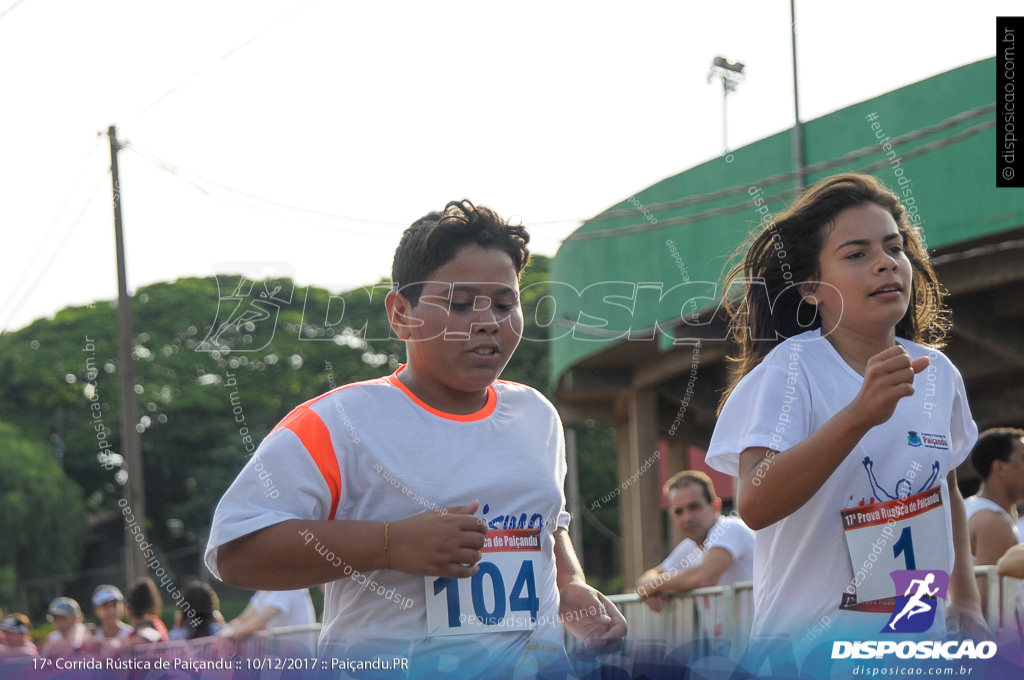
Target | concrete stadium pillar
(640,511)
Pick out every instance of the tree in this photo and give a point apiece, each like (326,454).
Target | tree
(39,506)
(219,362)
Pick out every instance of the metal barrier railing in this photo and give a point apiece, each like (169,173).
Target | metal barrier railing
(719,616)
(282,642)
(724,614)
(999,597)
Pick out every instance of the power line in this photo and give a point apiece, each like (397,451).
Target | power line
(10,8)
(227,55)
(174,169)
(55,253)
(203,184)
(208,187)
(12,295)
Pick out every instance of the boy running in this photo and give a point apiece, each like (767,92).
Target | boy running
(481,587)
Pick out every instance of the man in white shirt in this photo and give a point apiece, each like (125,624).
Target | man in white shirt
(275,609)
(998,456)
(992,521)
(715,550)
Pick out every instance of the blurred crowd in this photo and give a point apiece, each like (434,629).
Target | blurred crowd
(121,621)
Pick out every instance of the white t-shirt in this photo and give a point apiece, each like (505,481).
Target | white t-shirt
(123,631)
(75,638)
(295,606)
(373,451)
(802,564)
(973,504)
(296,609)
(728,533)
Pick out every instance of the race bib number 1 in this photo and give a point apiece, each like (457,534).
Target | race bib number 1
(906,533)
(501,596)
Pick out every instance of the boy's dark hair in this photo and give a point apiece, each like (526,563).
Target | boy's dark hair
(143,598)
(994,444)
(434,239)
(785,254)
(689,477)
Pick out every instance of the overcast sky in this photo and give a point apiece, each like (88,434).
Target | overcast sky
(299,138)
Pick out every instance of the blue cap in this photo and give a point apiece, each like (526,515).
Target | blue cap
(64,606)
(104,594)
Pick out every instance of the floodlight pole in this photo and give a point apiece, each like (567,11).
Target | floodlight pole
(131,442)
(725,118)
(731,75)
(799,161)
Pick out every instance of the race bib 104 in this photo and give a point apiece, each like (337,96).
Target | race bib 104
(501,596)
(902,534)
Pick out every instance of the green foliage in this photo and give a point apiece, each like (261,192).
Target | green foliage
(599,476)
(62,384)
(529,365)
(8,581)
(39,506)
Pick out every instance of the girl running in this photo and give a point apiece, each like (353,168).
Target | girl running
(844,423)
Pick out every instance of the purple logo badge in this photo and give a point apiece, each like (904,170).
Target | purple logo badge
(917,595)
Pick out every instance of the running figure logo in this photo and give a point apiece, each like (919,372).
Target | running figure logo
(915,608)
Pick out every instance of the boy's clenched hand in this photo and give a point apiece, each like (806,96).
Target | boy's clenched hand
(441,543)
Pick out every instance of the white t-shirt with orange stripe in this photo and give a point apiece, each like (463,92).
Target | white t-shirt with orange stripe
(373,451)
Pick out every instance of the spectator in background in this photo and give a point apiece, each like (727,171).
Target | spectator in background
(69,634)
(143,607)
(274,609)
(998,456)
(108,606)
(14,638)
(715,550)
(199,615)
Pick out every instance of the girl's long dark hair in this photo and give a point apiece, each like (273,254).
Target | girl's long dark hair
(785,254)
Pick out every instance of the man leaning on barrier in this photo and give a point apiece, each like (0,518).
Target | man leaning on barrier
(715,550)
(998,456)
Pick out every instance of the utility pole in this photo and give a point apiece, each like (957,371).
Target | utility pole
(131,442)
(799,162)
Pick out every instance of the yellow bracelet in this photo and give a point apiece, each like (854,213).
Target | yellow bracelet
(387,545)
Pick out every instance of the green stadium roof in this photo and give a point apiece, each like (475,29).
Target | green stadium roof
(688,227)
